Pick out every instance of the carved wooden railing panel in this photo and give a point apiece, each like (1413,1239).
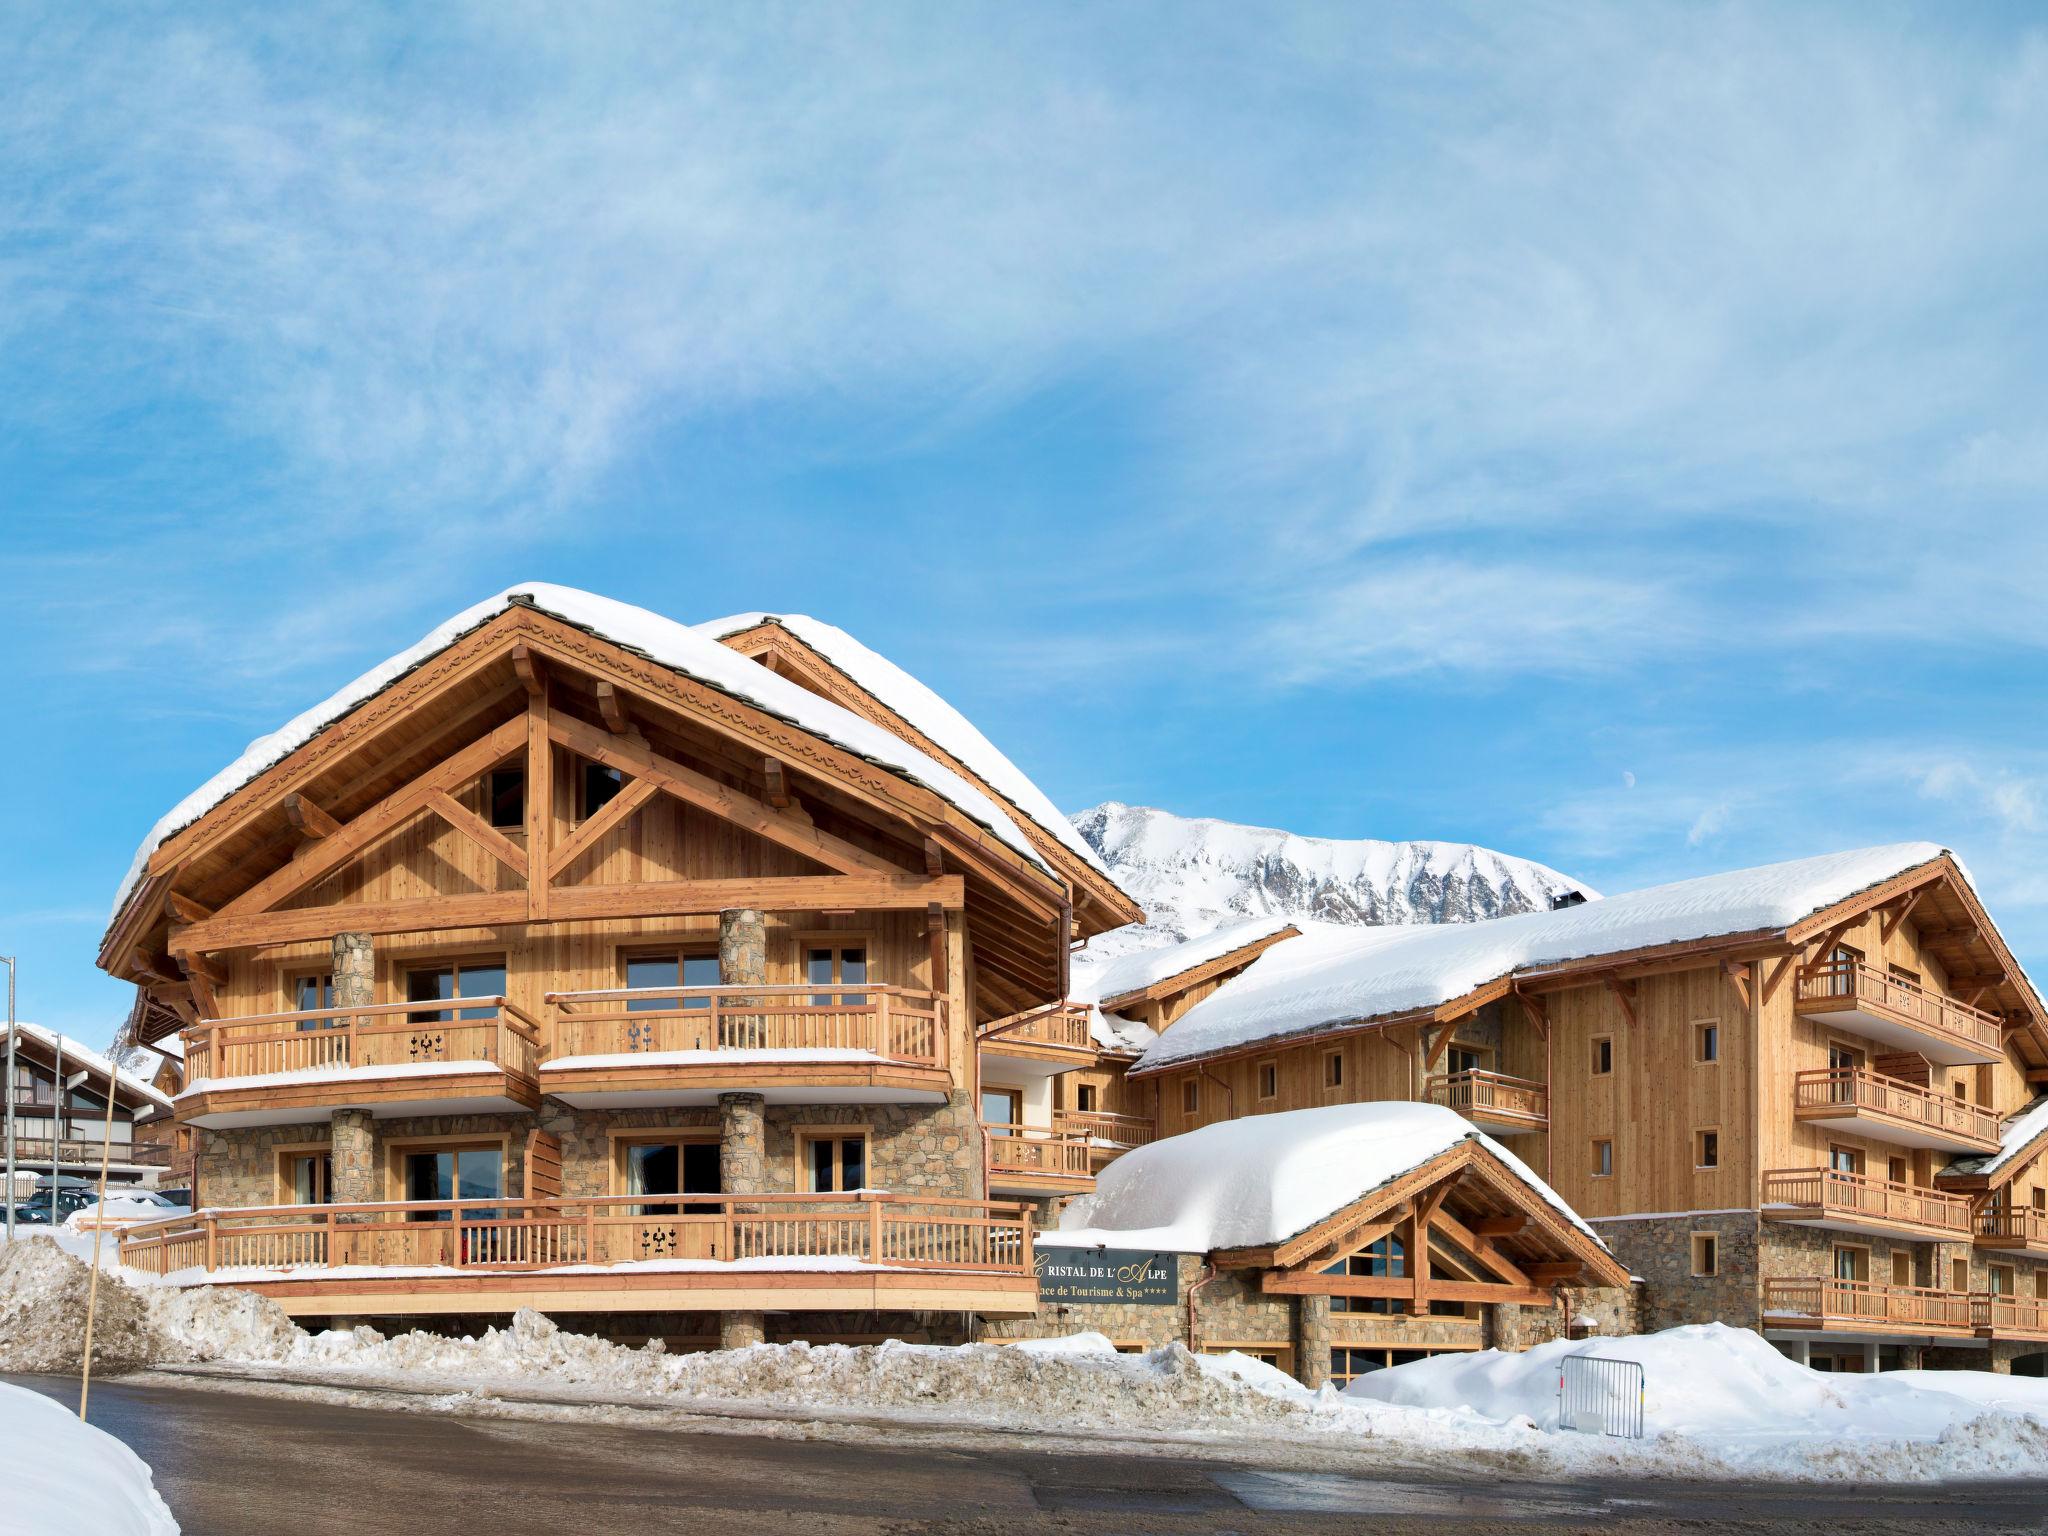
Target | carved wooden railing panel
(893,1230)
(1837,983)
(1833,1192)
(1037,1149)
(471,1029)
(1825,1089)
(1492,1093)
(896,1024)
(2013,1224)
(1061,1024)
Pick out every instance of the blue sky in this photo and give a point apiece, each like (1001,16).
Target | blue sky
(1615,435)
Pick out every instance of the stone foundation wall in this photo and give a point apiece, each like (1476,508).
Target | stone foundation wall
(913,1149)
(1659,1250)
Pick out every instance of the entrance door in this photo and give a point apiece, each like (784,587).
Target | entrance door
(1001,1106)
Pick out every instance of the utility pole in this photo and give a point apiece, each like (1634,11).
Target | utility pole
(57,1128)
(9,961)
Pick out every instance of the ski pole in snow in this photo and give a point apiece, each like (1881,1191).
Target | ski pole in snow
(99,1227)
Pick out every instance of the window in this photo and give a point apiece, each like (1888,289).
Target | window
(1706,1149)
(1903,976)
(1840,976)
(308,1177)
(2041,1285)
(1348,1364)
(836,964)
(1706,1043)
(310,994)
(1386,1259)
(1603,1159)
(1852,1264)
(598,786)
(2040,1198)
(1333,1069)
(1190,1097)
(505,792)
(1896,1170)
(1902,1269)
(483,977)
(1844,1058)
(1959,1274)
(667,968)
(1603,1055)
(1706,1255)
(1269,1080)
(1002,1106)
(669,1166)
(835,1163)
(1962,1090)
(2001,1280)
(1845,1159)
(1085,1098)
(455,1173)
(1460,1059)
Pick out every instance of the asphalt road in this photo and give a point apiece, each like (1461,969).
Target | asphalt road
(235,1463)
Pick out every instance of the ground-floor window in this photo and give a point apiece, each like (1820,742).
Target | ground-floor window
(669,1165)
(307,1177)
(1348,1363)
(832,1163)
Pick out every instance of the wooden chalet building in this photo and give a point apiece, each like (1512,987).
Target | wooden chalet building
(59,1129)
(1807,1098)
(581,959)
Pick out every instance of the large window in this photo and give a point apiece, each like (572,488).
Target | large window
(1001,1106)
(669,968)
(308,1177)
(836,965)
(1386,1259)
(1460,1059)
(467,978)
(670,1167)
(1852,1264)
(834,1163)
(311,993)
(455,1173)
(1347,1364)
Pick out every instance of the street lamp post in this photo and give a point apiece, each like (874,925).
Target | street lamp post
(8,961)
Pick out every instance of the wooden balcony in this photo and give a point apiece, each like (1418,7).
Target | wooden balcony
(1492,1101)
(1853,1202)
(1870,1002)
(1859,1306)
(614,1253)
(1109,1136)
(2017,1229)
(2010,1317)
(1056,1035)
(793,1044)
(1039,1160)
(1890,1109)
(35,1154)
(473,1055)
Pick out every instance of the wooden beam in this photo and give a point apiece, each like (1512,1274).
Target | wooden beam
(183,909)
(295,926)
(1481,1250)
(1737,972)
(540,798)
(1439,1045)
(1557,1273)
(628,800)
(1499,1226)
(934,858)
(1889,924)
(613,710)
(728,804)
(380,820)
(196,967)
(202,983)
(1538,1013)
(1624,995)
(1777,977)
(1426,1206)
(778,783)
(478,831)
(785,893)
(307,819)
(1398,1288)
(1825,946)
(531,673)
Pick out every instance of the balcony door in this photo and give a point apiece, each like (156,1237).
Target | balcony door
(456,1173)
(671,1168)
(1460,1059)
(836,966)
(1002,1107)
(669,968)
(445,983)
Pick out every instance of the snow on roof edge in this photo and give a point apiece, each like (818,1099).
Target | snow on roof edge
(78,1050)
(1142,968)
(755,684)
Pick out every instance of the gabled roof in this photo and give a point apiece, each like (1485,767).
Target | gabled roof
(1333,977)
(77,1055)
(2021,1138)
(1259,1181)
(948,733)
(671,644)
(1131,977)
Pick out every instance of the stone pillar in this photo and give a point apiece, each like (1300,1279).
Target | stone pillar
(742,959)
(355,971)
(742,1144)
(738,1330)
(1312,1340)
(354,1157)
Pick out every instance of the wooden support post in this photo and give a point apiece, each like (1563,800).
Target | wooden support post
(540,804)
(613,709)
(1624,995)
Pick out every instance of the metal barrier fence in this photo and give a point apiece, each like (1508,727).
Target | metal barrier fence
(1601,1396)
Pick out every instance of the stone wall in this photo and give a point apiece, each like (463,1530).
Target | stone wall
(913,1149)
(1659,1250)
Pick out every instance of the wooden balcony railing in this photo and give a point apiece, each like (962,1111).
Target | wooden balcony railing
(1061,1024)
(1831,1192)
(1835,984)
(893,1023)
(1122,1131)
(2011,1314)
(29,1151)
(1848,1090)
(889,1230)
(1861,1301)
(479,1029)
(1037,1149)
(2013,1226)
(1492,1095)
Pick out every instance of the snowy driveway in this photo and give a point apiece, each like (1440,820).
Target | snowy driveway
(235,1463)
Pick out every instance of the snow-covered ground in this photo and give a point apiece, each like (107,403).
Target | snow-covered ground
(59,1477)
(1722,1403)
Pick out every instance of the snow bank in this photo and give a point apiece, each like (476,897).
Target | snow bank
(61,1477)
(663,640)
(1760,1413)
(1334,975)
(1265,1178)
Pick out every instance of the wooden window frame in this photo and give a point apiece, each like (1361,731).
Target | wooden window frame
(399,970)
(395,1153)
(291,977)
(1837,1248)
(1709,1244)
(1956,1287)
(2012,1280)
(803,1135)
(290,1152)
(1700,1027)
(1283,1351)
(836,939)
(617,1141)
(1261,1092)
(487,798)
(1087,1096)
(580,788)
(1856,1050)
(1699,1148)
(1191,1096)
(1598,1172)
(1596,1043)
(1859,1160)
(1333,1070)
(1901,1258)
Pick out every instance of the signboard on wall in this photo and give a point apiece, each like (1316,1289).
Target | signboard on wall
(1108,1275)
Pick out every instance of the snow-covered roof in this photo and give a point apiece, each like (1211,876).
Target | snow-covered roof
(2014,1136)
(1334,975)
(76,1055)
(1260,1180)
(950,730)
(663,640)
(1142,968)
(1115,1032)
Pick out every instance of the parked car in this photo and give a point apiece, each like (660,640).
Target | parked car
(46,1208)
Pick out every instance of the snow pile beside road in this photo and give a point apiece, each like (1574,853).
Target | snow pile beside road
(43,1295)
(59,1477)
(1712,1386)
